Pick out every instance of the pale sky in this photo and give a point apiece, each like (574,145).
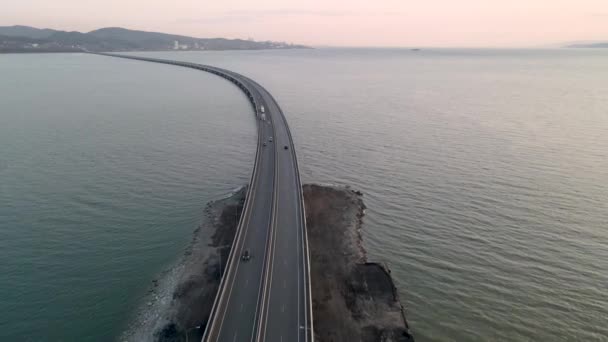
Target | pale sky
(423,23)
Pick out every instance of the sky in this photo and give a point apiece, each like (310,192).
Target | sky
(379,23)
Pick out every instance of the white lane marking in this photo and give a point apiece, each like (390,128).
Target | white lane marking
(299,250)
(298,246)
(284,284)
(300,239)
(234,339)
(283,308)
(266,281)
(246,281)
(269,279)
(241,236)
(241,307)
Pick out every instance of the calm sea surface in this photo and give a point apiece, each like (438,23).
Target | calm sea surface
(485,173)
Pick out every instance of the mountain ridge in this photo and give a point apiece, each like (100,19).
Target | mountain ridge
(19,38)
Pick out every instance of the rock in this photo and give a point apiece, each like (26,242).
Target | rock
(168,334)
(353,299)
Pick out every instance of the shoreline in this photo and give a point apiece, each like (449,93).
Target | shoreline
(29,51)
(167,313)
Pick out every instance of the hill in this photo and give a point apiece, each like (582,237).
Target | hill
(25,31)
(30,39)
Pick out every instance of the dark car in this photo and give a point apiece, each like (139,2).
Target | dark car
(285,147)
(246,255)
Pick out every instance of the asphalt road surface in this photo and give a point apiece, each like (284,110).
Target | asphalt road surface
(267,297)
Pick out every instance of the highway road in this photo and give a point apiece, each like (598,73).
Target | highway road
(265,298)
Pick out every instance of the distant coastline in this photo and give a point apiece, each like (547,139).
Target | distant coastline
(599,45)
(26,39)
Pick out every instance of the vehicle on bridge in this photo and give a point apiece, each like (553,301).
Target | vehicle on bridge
(286,147)
(246,255)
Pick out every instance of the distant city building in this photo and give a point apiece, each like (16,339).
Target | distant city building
(178,46)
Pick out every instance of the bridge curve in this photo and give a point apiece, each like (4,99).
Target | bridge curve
(265,298)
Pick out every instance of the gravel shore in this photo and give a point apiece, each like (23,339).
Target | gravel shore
(353,299)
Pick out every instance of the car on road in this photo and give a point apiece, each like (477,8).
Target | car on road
(264,144)
(285,147)
(270,139)
(246,255)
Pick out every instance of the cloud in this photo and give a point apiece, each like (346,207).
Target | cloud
(258,15)
(599,14)
(289,12)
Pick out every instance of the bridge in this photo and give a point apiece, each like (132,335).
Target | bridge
(265,297)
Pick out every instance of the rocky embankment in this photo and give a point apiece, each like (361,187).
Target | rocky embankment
(353,299)
(179,302)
